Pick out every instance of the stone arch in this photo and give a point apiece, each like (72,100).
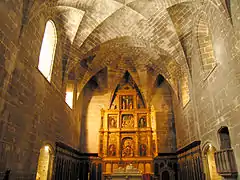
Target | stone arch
(132,81)
(45,162)
(88,75)
(205,45)
(48,48)
(209,162)
(167,172)
(159,80)
(96,60)
(119,42)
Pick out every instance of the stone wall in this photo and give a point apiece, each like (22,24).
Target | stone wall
(216,92)
(153,37)
(32,110)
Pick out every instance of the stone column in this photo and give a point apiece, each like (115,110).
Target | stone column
(118,145)
(149,125)
(136,121)
(74,94)
(105,144)
(137,145)
(149,137)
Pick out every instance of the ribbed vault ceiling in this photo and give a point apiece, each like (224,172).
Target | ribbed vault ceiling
(110,31)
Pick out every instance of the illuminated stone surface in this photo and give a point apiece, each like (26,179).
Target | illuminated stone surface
(194,45)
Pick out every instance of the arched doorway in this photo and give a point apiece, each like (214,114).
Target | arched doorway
(225,142)
(209,163)
(165,175)
(45,162)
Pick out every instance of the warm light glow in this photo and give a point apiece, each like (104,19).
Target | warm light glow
(210,146)
(46,148)
(43,164)
(69,98)
(213,175)
(69,94)
(47,50)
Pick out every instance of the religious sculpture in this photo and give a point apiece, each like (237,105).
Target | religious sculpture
(124,137)
(142,122)
(112,150)
(128,147)
(143,149)
(127,121)
(127,102)
(112,121)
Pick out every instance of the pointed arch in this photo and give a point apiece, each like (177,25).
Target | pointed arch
(209,162)
(127,82)
(45,163)
(47,52)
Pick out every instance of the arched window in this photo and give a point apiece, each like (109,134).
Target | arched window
(225,142)
(165,175)
(69,94)
(48,48)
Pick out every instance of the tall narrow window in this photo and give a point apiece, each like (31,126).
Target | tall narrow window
(47,52)
(69,94)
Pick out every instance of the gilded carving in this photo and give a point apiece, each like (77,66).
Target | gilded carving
(126,136)
(154,146)
(112,121)
(142,122)
(112,138)
(127,121)
(143,150)
(112,150)
(101,143)
(127,147)
(127,102)
(143,138)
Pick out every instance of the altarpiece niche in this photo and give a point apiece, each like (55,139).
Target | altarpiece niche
(126,136)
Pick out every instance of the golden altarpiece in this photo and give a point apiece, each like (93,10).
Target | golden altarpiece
(126,135)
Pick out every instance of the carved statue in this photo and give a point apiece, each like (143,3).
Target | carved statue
(142,122)
(127,102)
(143,149)
(128,148)
(112,150)
(112,120)
(130,105)
(123,102)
